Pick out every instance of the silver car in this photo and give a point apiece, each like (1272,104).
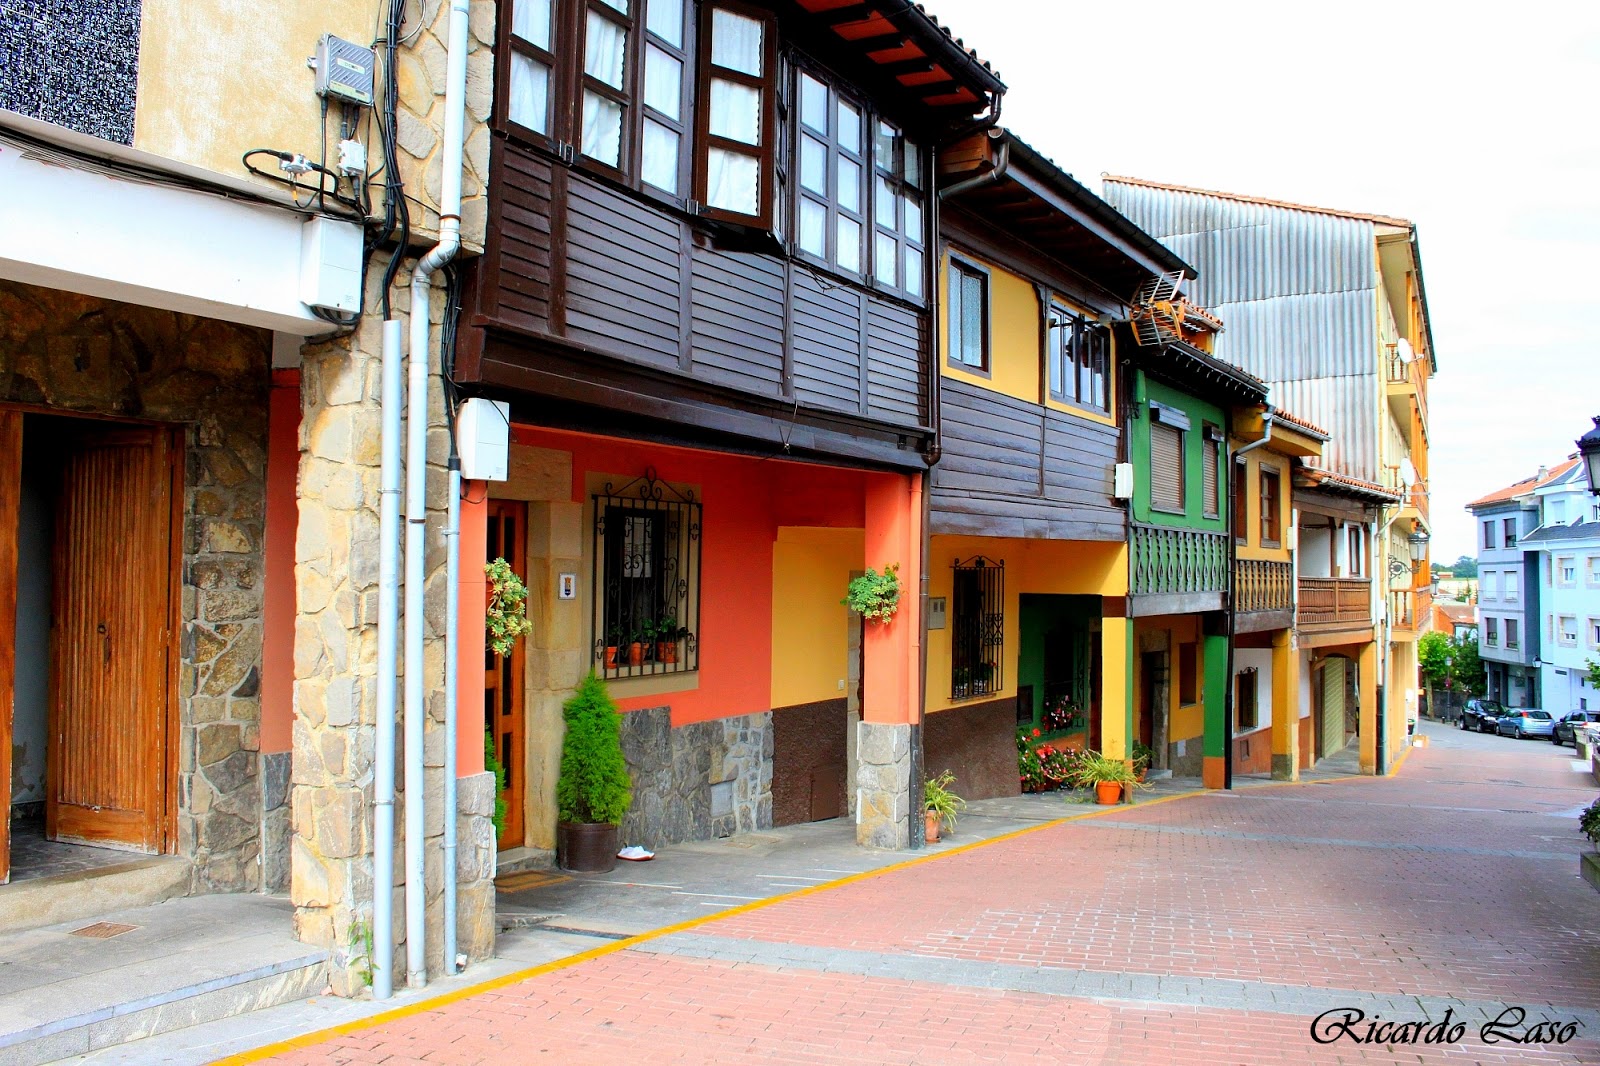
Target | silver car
(1525,723)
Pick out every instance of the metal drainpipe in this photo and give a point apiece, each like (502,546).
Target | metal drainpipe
(452,608)
(994,174)
(1233,589)
(416,490)
(388,647)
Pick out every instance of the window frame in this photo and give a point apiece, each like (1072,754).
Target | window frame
(1488,534)
(1082,339)
(1213,456)
(837,97)
(1188,688)
(627,96)
(1246,680)
(1271,515)
(551,59)
(962,264)
(1491,632)
(977,643)
(1563,564)
(897,175)
(767,84)
(1508,532)
(1513,634)
(1561,630)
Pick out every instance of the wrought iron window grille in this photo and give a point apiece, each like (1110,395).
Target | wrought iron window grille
(978,628)
(646,579)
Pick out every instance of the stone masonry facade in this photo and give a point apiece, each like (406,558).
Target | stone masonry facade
(699,781)
(69,353)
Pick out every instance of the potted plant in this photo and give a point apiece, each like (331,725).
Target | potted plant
(940,805)
(1142,757)
(1110,778)
(613,642)
(506,617)
(874,596)
(637,640)
(594,790)
(668,633)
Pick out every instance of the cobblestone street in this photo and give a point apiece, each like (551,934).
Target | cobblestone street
(1204,929)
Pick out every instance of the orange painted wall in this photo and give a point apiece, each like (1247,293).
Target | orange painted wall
(283,515)
(745,501)
(472,588)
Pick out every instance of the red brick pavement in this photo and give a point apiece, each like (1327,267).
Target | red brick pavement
(1131,897)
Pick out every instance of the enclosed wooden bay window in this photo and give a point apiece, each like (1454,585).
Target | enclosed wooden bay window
(1079,358)
(831,186)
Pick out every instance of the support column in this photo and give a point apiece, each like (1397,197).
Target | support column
(1218,731)
(1367,670)
(476,847)
(1285,707)
(888,790)
(1116,687)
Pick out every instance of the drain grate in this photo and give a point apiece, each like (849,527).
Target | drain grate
(104,930)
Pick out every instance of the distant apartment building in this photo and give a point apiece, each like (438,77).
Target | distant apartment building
(1564,551)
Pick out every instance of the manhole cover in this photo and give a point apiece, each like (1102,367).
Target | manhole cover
(104,930)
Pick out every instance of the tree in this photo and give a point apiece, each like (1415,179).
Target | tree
(1434,652)
(1466,668)
(1594,672)
(1466,566)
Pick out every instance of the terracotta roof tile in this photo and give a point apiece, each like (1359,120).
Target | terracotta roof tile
(1526,485)
(1345,483)
(1284,416)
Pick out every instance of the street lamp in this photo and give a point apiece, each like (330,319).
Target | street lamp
(1419,541)
(1589,449)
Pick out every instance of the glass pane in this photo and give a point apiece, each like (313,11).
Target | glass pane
(814,165)
(849,128)
(602,129)
(885,146)
(913,161)
(913,272)
(617,5)
(1058,334)
(660,167)
(735,111)
(663,82)
(848,255)
(530,93)
(883,258)
(849,186)
(664,18)
(814,104)
(913,219)
(953,299)
(883,207)
(736,42)
(972,319)
(732,181)
(813,227)
(530,20)
(604,46)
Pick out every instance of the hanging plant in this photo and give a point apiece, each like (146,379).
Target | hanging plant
(507,617)
(874,596)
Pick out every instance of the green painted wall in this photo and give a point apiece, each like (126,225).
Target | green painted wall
(1039,615)
(1195,447)
(1216,681)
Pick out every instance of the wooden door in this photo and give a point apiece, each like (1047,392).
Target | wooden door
(10,505)
(505,713)
(1333,707)
(109,639)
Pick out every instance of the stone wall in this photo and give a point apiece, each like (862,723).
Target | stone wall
(696,782)
(80,354)
(886,767)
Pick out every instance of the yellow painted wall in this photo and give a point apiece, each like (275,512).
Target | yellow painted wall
(810,627)
(1116,691)
(1014,317)
(1252,548)
(1187,720)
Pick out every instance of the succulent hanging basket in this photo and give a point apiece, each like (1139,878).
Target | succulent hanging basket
(874,596)
(507,616)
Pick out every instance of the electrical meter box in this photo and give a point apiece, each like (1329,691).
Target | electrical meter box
(344,69)
(330,264)
(483,439)
(1122,481)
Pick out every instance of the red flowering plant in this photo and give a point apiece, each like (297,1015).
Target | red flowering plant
(1042,767)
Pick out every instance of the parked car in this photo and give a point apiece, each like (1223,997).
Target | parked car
(1481,715)
(1565,728)
(1526,723)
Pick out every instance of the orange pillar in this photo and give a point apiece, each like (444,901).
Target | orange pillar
(470,636)
(277,583)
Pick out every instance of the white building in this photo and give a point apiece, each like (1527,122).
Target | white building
(1567,542)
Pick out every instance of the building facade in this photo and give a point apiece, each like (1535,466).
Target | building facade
(1564,565)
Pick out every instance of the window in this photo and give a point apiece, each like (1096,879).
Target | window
(1489,584)
(1246,709)
(1168,430)
(1591,575)
(532,60)
(1556,512)
(977,628)
(1569,631)
(606,102)
(734,153)
(1594,632)
(832,158)
(1241,502)
(1511,633)
(646,579)
(1079,357)
(1488,534)
(1513,585)
(1271,529)
(665,127)
(1566,566)
(1358,551)
(969,316)
(1491,632)
(1211,471)
(897,239)
(1509,529)
(1188,674)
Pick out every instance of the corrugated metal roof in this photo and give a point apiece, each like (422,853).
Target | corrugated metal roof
(1298,289)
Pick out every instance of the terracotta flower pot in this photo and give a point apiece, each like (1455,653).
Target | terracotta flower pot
(666,651)
(1107,792)
(931,826)
(635,654)
(587,847)
(611,656)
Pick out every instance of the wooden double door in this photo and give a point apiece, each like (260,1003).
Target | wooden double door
(113,559)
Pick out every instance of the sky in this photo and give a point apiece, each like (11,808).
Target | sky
(1477,122)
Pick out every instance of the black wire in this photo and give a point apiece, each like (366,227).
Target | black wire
(395,210)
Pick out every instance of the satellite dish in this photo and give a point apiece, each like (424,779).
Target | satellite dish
(1404,350)
(1408,473)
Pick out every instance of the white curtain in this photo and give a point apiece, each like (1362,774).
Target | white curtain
(849,185)
(732,181)
(884,253)
(813,227)
(814,165)
(530,20)
(814,104)
(660,156)
(735,111)
(849,128)
(529,104)
(849,254)
(736,42)
(604,46)
(664,18)
(602,129)
(663,82)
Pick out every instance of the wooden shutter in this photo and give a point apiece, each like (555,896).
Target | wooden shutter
(1333,710)
(1166,467)
(1208,476)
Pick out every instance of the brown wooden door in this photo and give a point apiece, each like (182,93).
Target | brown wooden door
(505,713)
(109,640)
(10,504)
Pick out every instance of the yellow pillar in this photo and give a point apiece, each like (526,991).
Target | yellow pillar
(1285,707)
(1368,670)
(1116,687)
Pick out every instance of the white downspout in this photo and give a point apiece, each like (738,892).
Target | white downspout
(382,960)
(416,490)
(452,607)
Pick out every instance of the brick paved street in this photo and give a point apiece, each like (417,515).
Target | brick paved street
(1201,930)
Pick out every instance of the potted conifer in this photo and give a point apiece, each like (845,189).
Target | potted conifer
(594,790)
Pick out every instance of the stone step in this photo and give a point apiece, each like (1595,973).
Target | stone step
(176,964)
(87,893)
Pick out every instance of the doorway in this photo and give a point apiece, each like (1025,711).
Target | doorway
(88,606)
(504,704)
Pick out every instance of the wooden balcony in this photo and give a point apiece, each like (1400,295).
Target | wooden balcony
(1264,590)
(1330,604)
(1178,571)
(1402,614)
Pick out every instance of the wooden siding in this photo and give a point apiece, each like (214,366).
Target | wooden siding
(1016,469)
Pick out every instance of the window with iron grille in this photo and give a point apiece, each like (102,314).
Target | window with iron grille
(646,579)
(977,628)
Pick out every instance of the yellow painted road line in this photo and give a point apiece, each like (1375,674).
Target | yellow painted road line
(319,1036)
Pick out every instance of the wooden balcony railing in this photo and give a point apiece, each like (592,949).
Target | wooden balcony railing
(1402,612)
(1265,585)
(1334,602)
(1168,561)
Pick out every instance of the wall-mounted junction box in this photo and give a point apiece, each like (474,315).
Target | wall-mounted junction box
(330,265)
(483,439)
(1122,481)
(344,69)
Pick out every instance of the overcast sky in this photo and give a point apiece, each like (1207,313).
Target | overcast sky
(1478,122)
